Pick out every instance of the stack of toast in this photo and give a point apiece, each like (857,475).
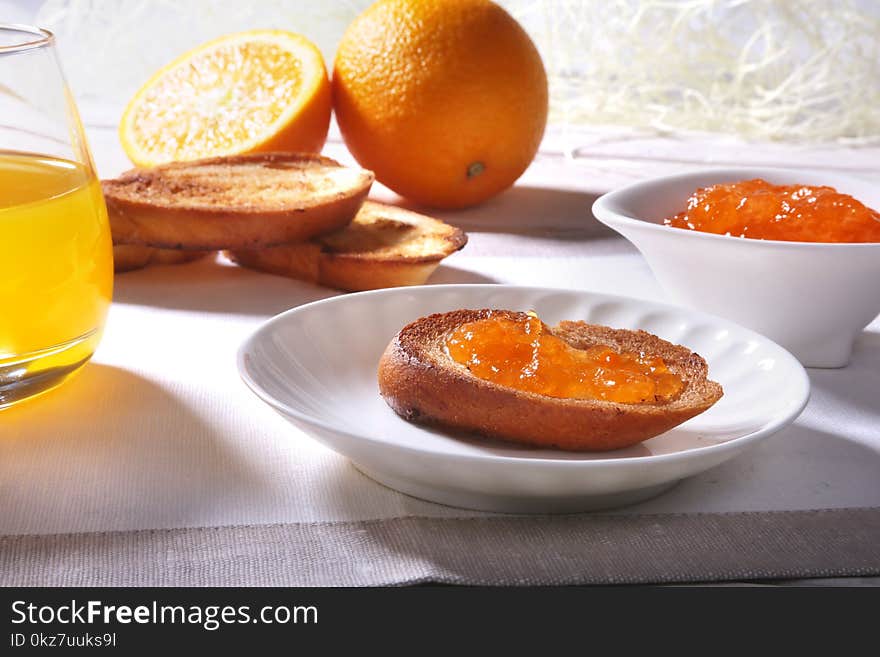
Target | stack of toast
(294,214)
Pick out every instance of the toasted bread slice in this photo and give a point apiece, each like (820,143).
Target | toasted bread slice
(127,257)
(385,246)
(242,201)
(419,380)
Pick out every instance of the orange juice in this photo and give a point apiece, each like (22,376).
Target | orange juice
(56,269)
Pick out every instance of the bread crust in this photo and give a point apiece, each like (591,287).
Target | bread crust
(422,384)
(384,246)
(194,206)
(128,257)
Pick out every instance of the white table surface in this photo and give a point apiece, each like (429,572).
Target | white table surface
(159,432)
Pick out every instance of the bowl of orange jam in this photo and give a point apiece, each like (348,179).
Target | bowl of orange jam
(792,254)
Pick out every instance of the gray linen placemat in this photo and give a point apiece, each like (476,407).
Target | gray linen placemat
(497,550)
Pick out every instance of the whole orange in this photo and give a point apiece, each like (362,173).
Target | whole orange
(445,100)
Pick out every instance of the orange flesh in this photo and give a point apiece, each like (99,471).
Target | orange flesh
(226,97)
(792,213)
(522,354)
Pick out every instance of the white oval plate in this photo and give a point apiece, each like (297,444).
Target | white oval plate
(316,365)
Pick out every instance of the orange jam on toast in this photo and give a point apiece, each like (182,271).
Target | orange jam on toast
(792,213)
(523,354)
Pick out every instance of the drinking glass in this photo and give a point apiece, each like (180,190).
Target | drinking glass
(56,255)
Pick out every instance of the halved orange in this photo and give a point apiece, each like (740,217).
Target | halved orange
(255,91)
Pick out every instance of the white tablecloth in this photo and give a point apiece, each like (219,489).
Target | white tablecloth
(159,433)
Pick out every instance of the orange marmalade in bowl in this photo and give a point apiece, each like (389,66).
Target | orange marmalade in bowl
(522,354)
(791,213)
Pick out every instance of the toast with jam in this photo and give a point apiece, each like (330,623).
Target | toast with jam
(553,398)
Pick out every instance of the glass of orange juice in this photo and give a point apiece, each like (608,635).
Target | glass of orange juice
(56,255)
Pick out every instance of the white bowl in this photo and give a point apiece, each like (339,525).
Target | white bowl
(316,365)
(812,298)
